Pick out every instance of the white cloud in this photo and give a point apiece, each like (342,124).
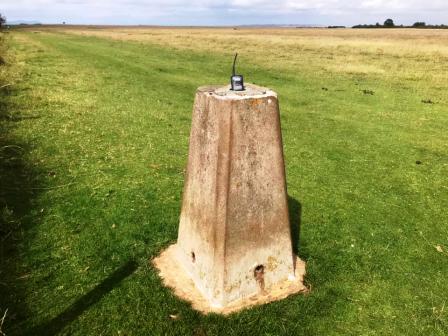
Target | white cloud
(225,12)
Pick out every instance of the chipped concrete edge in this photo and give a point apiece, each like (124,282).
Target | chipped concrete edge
(175,277)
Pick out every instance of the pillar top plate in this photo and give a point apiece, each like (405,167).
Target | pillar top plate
(224,92)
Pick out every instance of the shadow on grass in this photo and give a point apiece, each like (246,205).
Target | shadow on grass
(54,326)
(295,220)
(18,188)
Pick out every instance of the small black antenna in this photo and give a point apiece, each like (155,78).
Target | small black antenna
(234,62)
(236,81)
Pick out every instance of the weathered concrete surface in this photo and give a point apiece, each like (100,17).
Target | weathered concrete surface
(234,235)
(175,277)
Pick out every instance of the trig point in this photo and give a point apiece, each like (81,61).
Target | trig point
(234,247)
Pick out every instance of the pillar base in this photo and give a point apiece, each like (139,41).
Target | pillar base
(175,277)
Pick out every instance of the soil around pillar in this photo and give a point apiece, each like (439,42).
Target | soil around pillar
(175,277)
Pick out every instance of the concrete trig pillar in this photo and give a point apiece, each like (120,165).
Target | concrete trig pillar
(234,240)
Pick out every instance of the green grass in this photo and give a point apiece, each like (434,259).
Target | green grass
(93,146)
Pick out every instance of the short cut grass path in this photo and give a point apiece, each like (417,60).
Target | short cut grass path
(93,148)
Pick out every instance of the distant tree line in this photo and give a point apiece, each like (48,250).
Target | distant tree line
(389,23)
(2,21)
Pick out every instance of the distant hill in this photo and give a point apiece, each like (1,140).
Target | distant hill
(282,26)
(22,22)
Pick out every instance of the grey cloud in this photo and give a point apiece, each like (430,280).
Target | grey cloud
(225,12)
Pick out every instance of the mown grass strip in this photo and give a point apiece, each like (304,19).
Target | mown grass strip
(104,160)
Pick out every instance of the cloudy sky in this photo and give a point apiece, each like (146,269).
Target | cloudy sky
(230,12)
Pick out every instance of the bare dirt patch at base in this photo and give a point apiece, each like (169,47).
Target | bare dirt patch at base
(174,277)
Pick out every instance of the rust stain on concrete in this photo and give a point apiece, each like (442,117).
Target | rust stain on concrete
(234,218)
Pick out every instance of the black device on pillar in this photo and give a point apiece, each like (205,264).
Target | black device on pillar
(236,81)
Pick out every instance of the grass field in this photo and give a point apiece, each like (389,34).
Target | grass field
(93,146)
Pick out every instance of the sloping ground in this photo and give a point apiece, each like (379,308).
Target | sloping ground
(94,190)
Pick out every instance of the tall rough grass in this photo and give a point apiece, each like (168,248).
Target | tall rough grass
(4,60)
